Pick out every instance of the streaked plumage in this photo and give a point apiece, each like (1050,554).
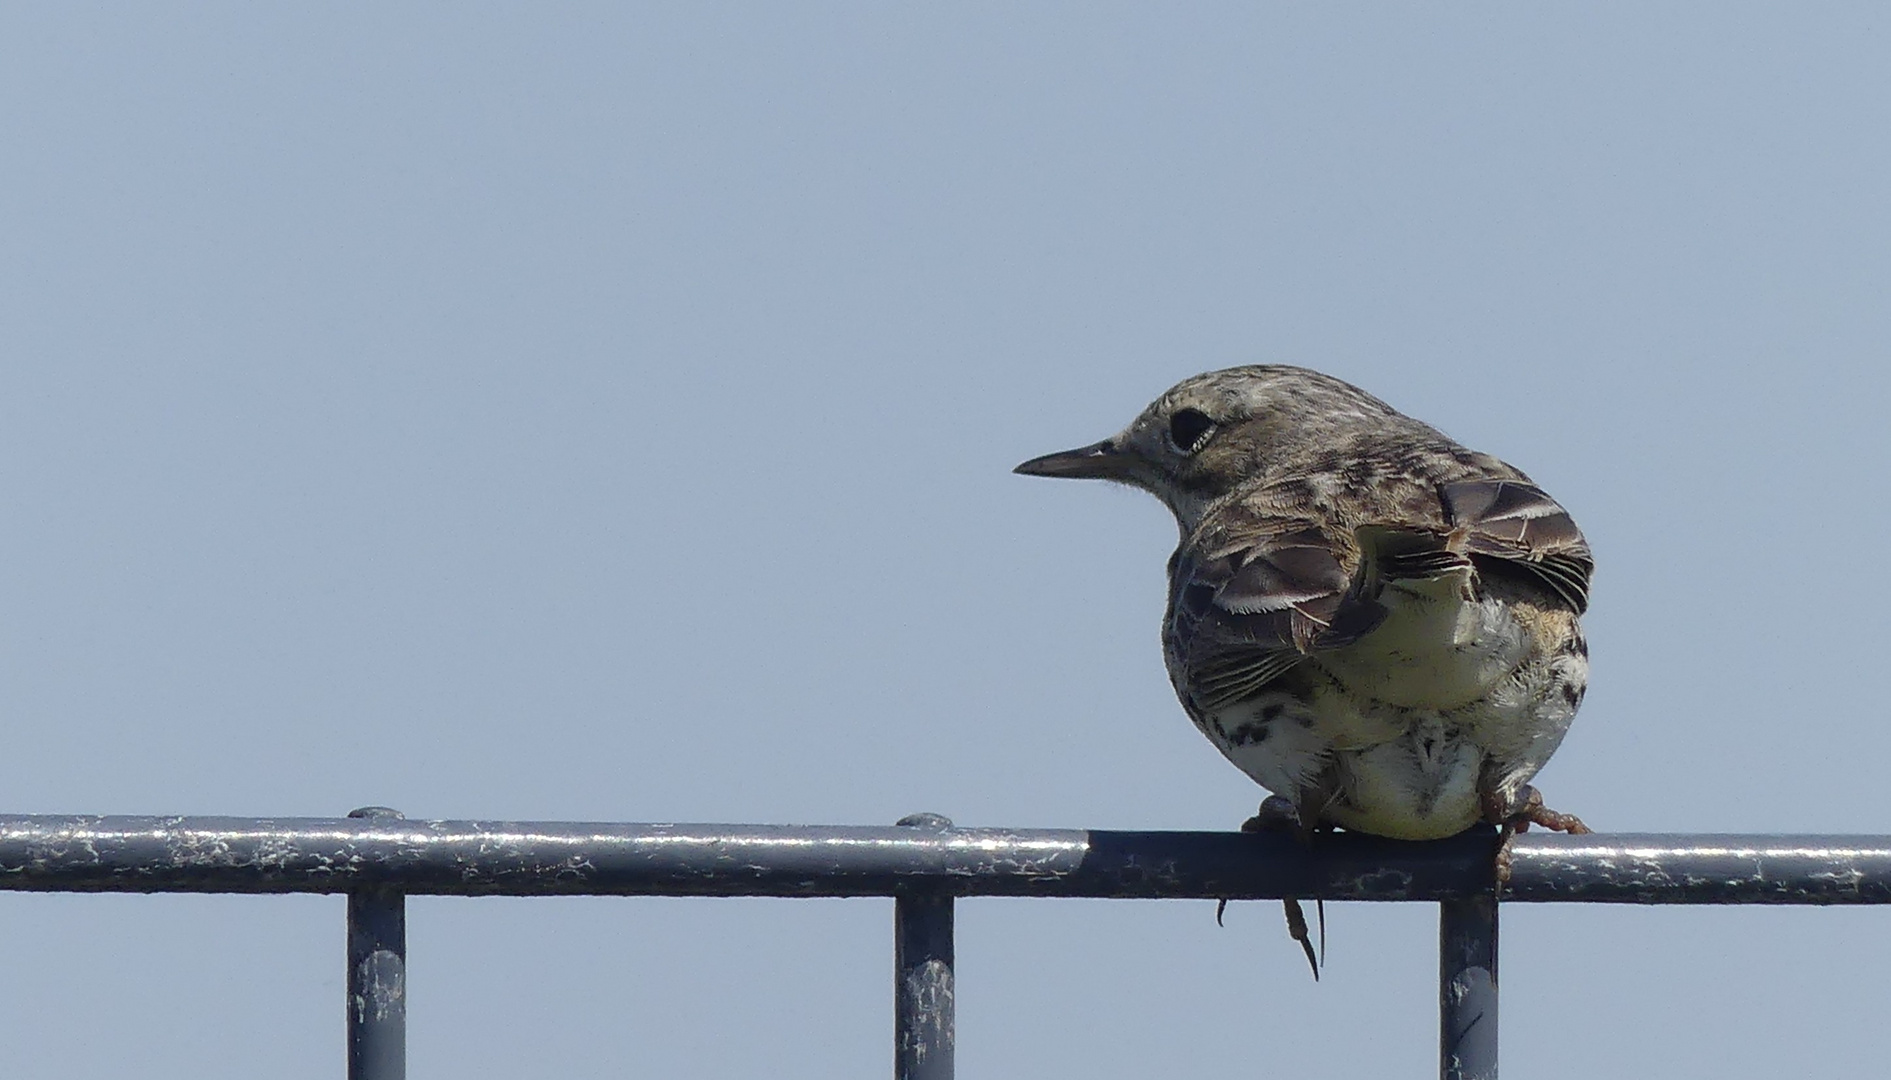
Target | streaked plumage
(1367,618)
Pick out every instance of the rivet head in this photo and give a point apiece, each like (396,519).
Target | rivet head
(376,812)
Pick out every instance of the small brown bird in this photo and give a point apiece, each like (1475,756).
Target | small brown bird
(1373,622)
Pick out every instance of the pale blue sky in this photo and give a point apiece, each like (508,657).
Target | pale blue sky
(606,413)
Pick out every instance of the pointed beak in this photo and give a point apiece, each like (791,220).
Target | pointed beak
(1098,461)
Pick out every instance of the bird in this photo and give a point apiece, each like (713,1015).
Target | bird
(1377,624)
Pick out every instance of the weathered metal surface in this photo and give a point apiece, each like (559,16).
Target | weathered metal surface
(1666,868)
(1467,988)
(923,986)
(377,976)
(208,854)
(331,855)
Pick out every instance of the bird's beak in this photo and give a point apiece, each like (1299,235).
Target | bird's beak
(1098,461)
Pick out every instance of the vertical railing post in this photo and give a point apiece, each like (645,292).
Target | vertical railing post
(1467,988)
(922,976)
(377,976)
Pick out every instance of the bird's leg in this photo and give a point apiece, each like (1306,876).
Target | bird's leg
(1278,814)
(1518,816)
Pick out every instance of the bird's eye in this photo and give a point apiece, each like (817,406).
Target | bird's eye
(1189,429)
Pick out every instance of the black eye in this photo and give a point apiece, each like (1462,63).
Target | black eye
(1189,429)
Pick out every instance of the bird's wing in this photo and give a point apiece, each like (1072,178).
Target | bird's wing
(1244,611)
(1509,527)
(1240,616)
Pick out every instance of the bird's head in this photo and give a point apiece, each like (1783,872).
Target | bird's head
(1213,433)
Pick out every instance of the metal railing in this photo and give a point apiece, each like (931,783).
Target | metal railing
(378,858)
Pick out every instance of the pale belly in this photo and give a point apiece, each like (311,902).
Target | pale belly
(1434,649)
(1419,783)
(1398,736)
(1419,787)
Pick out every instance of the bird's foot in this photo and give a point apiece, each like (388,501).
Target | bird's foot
(1527,810)
(1278,814)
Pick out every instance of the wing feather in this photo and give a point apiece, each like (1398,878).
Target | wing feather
(1517,527)
(1243,618)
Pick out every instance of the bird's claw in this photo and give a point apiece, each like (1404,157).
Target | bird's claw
(1297,929)
(1517,818)
(1276,815)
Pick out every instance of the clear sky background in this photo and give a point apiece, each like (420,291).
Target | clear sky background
(606,412)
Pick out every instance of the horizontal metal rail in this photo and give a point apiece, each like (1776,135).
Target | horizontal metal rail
(476,858)
(378,859)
